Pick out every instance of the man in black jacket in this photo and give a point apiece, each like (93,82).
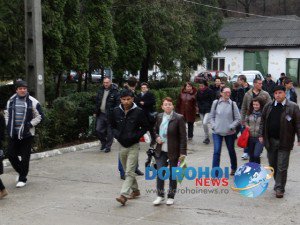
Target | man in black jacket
(146,101)
(205,97)
(280,122)
(268,85)
(129,124)
(107,99)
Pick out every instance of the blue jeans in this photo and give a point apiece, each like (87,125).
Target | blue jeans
(229,140)
(255,149)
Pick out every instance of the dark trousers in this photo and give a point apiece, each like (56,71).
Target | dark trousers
(229,140)
(104,131)
(279,160)
(20,148)
(190,129)
(162,161)
(1,185)
(255,149)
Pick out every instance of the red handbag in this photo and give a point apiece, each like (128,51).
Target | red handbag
(242,141)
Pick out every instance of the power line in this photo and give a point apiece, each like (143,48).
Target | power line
(234,11)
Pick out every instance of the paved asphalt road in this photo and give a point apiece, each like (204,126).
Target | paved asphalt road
(81,187)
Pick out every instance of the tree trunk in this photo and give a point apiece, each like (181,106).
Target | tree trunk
(223,5)
(79,84)
(145,68)
(86,80)
(57,91)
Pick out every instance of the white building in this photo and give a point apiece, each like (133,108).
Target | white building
(270,45)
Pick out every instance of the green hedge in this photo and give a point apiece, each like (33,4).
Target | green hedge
(68,119)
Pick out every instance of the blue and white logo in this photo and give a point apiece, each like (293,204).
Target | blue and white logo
(252,179)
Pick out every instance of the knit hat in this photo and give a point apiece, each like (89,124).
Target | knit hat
(21,83)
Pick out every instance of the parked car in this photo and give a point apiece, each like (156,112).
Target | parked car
(250,75)
(72,77)
(210,75)
(96,76)
(206,75)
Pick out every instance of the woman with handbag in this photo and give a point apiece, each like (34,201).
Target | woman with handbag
(252,122)
(171,147)
(3,191)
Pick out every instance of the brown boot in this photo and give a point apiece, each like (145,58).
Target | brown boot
(3,193)
(134,194)
(122,199)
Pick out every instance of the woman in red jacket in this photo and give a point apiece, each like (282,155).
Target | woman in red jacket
(186,105)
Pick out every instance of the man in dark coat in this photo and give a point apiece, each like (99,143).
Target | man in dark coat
(280,123)
(146,101)
(205,97)
(107,99)
(268,85)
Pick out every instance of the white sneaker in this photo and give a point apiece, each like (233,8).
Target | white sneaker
(20,184)
(170,201)
(245,156)
(158,200)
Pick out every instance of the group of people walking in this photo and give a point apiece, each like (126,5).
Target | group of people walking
(271,116)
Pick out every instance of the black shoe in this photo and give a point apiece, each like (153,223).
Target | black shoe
(122,177)
(279,194)
(206,141)
(107,150)
(102,148)
(139,173)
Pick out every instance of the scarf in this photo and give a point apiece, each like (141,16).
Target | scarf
(256,114)
(163,128)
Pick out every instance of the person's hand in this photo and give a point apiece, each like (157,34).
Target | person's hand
(159,141)
(182,158)
(142,103)
(94,115)
(261,140)
(246,126)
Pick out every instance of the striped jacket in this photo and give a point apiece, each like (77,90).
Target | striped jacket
(33,116)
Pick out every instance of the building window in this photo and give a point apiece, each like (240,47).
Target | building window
(215,64)
(293,69)
(256,60)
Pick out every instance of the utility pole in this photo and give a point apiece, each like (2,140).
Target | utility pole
(34,49)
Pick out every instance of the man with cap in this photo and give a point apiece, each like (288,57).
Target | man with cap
(291,93)
(22,114)
(268,85)
(129,124)
(279,123)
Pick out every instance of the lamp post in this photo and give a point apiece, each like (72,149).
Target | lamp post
(34,49)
